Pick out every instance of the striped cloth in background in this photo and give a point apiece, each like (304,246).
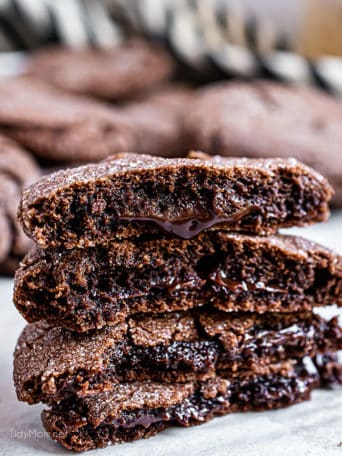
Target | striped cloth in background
(212,37)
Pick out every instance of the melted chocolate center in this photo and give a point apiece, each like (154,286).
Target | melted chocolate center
(220,280)
(144,420)
(187,227)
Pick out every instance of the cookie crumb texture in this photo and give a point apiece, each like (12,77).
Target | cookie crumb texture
(130,195)
(89,288)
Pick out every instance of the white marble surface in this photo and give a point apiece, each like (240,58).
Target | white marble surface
(310,429)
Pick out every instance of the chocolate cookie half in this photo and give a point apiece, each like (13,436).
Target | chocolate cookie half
(133,411)
(52,364)
(89,288)
(130,68)
(264,119)
(129,195)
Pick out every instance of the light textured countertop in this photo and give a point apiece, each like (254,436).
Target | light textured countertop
(313,428)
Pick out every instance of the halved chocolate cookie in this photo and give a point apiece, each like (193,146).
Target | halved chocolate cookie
(89,288)
(131,411)
(129,195)
(52,364)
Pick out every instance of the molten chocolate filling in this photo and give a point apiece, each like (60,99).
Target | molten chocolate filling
(222,283)
(187,227)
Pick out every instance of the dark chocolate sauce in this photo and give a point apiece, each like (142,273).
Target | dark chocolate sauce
(189,227)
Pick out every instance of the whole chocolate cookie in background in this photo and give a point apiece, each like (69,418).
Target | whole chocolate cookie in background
(116,73)
(17,171)
(53,363)
(60,127)
(264,119)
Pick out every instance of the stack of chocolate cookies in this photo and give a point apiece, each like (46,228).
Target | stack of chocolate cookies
(159,293)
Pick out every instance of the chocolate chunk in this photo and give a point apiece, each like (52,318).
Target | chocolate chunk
(89,288)
(264,119)
(138,410)
(121,72)
(53,363)
(129,195)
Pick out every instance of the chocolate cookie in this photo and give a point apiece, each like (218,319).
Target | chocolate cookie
(117,73)
(17,170)
(16,163)
(264,119)
(131,411)
(52,364)
(64,128)
(129,195)
(157,121)
(57,126)
(89,288)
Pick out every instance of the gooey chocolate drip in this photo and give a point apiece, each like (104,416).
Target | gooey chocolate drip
(221,283)
(187,227)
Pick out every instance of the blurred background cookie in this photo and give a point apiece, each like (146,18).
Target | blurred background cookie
(265,119)
(111,73)
(60,127)
(17,171)
(157,121)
